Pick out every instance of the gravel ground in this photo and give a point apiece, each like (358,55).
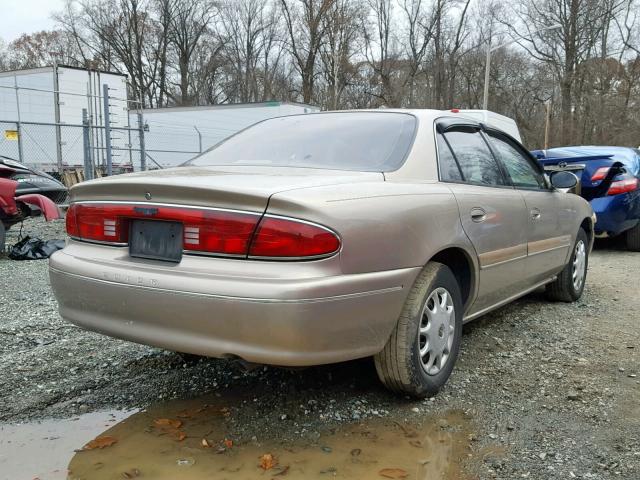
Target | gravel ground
(553,388)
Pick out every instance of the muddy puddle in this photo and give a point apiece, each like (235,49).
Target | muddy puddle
(191,440)
(42,450)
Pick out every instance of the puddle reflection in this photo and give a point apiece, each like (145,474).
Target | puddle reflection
(42,449)
(191,440)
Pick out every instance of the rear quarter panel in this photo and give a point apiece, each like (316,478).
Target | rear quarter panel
(383,226)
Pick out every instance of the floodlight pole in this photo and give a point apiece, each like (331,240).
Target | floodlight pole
(487,68)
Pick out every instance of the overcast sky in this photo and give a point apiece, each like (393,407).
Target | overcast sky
(26,16)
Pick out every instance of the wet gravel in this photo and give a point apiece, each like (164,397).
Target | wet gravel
(552,390)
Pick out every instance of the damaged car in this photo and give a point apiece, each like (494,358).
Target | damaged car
(321,238)
(31,180)
(609,180)
(16,206)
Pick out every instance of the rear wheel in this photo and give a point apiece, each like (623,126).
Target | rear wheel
(633,238)
(421,352)
(569,285)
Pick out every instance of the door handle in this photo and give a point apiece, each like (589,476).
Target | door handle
(478,214)
(535,214)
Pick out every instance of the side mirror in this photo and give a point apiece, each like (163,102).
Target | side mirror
(563,180)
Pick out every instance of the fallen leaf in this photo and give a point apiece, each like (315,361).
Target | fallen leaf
(394,473)
(408,432)
(332,470)
(179,435)
(228,443)
(189,413)
(267,461)
(355,452)
(167,422)
(205,443)
(282,471)
(133,473)
(186,462)
(100,442)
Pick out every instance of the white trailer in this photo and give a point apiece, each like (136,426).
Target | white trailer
(177,134)
(46,104)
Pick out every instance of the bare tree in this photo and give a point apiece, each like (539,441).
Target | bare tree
(367,53)
(189,22)
(416,40)
(381,53)
(248,32)
(563,49)
(41,49)
(305,25)
(337,52)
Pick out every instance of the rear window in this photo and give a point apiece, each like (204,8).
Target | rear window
(358,141)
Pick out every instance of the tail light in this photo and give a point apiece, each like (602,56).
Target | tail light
(600,174)
(96,223)
(286,238)
(623,186)
(208,231)
(205,230)
(71,221)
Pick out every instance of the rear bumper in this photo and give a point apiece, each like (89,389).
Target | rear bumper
(616,213)
(282,321)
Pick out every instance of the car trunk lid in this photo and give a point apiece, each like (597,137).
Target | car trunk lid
(243,188)
(585,167)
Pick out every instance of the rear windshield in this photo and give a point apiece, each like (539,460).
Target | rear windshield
(359,141)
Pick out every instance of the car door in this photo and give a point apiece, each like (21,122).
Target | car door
(548,238)
(493,214)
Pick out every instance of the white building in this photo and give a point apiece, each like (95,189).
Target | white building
(176,134)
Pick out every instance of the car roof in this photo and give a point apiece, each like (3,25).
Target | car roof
(430,115)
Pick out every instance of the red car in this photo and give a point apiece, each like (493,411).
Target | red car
(15,209)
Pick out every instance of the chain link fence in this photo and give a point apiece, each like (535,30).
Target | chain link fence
(91,131)
(36,145)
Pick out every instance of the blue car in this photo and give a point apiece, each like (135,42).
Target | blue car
(610,180)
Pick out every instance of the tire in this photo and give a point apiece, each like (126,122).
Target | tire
(400,365)
(632,238)
(564,288)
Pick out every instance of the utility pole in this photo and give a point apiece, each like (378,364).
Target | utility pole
(547,121)
(487,69)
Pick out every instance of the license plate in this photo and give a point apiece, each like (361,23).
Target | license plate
(156,240)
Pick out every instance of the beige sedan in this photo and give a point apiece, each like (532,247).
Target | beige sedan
(319,238)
